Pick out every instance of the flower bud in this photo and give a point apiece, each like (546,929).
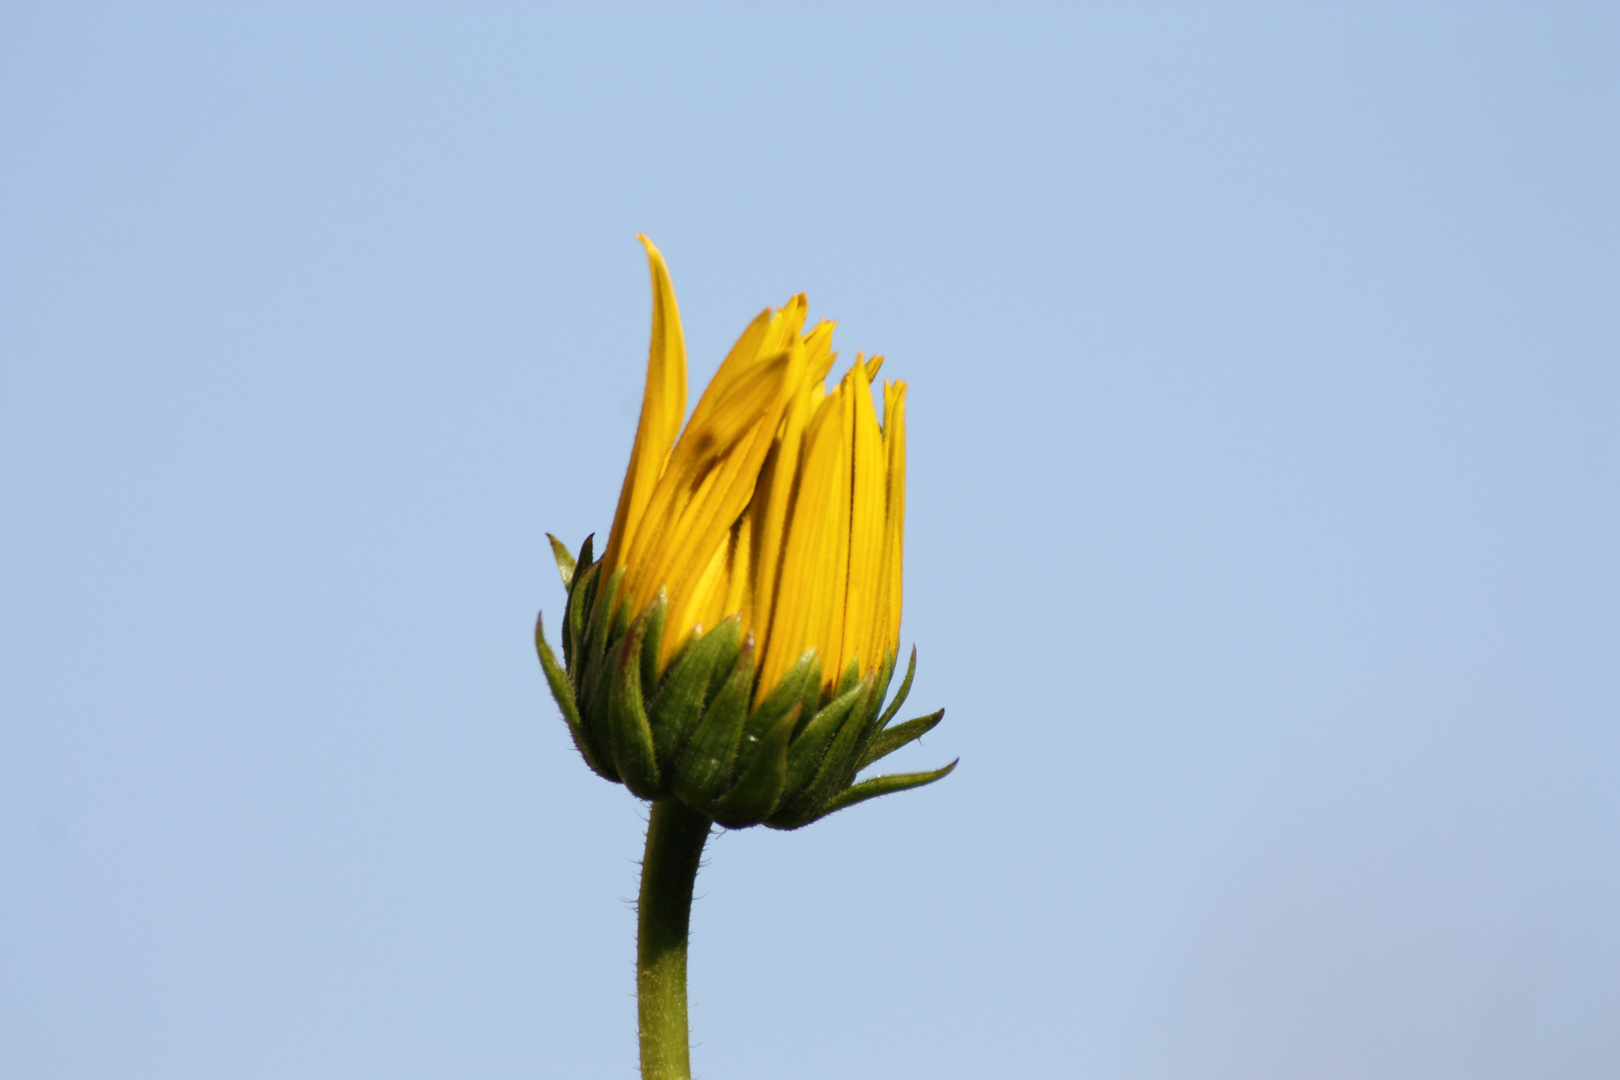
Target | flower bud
(733,646)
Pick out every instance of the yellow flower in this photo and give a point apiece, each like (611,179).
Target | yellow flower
(780,503)
(733,646)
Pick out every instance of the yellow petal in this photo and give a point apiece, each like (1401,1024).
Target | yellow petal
(708,485)
(894,518)
(772,503)
(723,589)
(744,355)
(663,404)
(868,498)
(739,597)
(809,603)
(819,356)
(786,324)
(701,604)
(701,459)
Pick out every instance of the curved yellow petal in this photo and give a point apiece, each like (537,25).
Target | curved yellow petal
(663,405)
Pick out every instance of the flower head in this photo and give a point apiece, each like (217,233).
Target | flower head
(751,584)
(780,503)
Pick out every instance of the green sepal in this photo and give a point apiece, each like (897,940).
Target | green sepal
(797,684)
(814,699)
(591,668)
(885,675)
(830,765)
(629,734)
(900,694)
(678,706)
(620,623)
(585,553)
(563,691)
(880,785)
(603,614)
(851,676)
(889,740)
(809,746)
(706,765)
(868,712)
(754,795)
(609,620)
(580,595)
(565,561)
(652,642)
(837,770)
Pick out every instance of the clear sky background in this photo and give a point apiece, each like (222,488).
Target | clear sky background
(1264,492)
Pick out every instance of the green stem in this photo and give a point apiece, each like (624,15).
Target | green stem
(675,836)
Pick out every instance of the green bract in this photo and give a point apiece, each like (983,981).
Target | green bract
(701,731)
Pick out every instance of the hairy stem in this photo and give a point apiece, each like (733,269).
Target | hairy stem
(675,836)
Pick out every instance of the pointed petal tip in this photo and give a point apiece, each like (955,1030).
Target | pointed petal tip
(653,254)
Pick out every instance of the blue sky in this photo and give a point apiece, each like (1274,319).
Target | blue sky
(1261,534)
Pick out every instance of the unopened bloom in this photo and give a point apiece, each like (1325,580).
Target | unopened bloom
(733,645)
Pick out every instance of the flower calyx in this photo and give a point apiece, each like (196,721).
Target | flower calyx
(700,729)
